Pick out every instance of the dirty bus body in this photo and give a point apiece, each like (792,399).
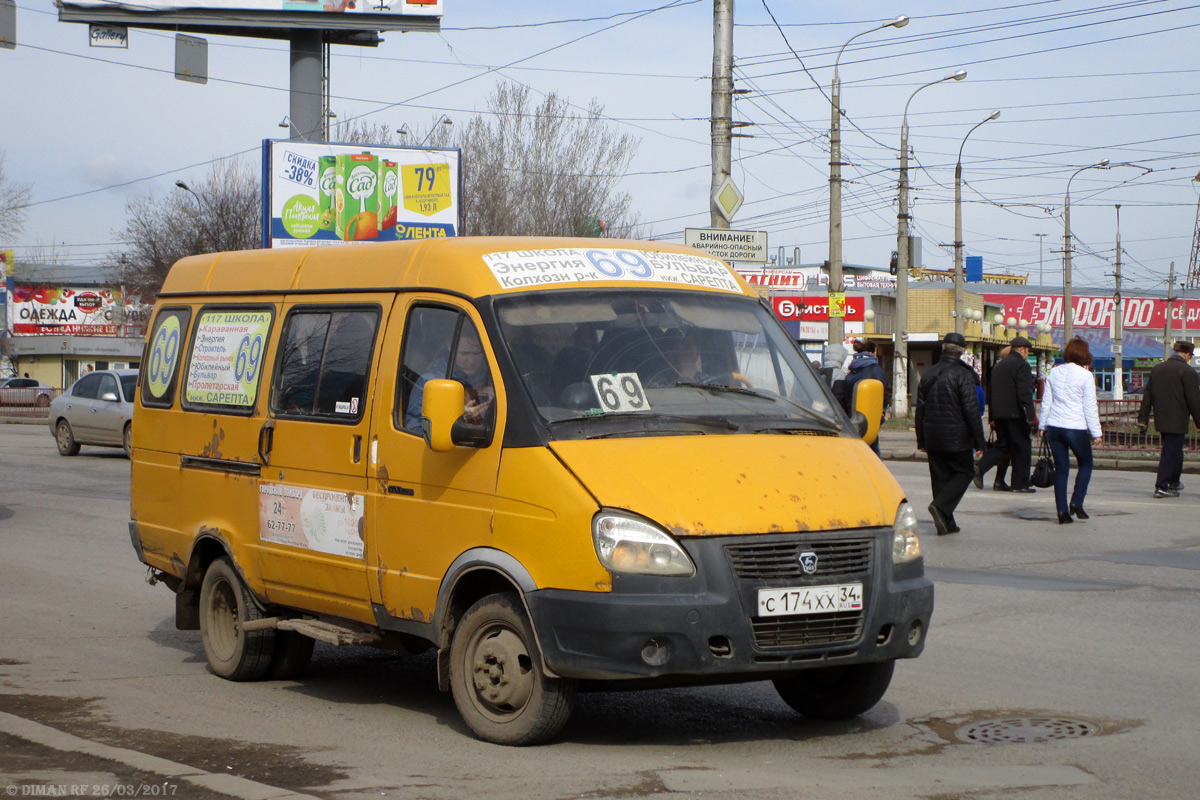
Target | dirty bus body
(553,460)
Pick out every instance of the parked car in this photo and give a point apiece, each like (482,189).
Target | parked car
(25,392)
(96,410)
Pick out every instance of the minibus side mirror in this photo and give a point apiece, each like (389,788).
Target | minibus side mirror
(441,407)
(868,408)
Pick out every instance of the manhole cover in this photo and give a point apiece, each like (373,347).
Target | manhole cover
(1024,730)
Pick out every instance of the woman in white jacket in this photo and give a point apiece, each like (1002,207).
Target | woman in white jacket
(1070,419)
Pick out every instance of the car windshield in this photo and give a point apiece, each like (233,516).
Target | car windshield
(616,363)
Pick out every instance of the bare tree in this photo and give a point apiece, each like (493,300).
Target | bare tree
(14,197)
(548,170)
(223,211)
(545,171)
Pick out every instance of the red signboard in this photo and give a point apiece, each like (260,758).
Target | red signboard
(815,308)
(1148,313)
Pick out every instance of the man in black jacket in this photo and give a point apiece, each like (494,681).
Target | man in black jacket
(949,429)
(1173,393)
(1011,410)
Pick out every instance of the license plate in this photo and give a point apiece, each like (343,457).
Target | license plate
(810,600)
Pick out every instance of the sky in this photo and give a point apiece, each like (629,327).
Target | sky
(1076,81)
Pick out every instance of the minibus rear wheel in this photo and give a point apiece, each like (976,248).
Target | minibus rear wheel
(496,676)
(225,607)
(836,692)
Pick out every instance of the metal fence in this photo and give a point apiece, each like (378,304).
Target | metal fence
(1119,421)
(27,401)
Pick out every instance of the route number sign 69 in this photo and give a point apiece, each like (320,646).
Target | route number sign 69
(620,391)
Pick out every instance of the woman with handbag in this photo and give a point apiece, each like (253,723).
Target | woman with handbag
(1070,420)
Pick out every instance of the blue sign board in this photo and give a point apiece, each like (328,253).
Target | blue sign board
(974,271)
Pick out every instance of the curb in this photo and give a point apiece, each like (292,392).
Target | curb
(232,785)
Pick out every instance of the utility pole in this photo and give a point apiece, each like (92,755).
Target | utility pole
(1041,242)
(721,124)
(1170,300)
(1118,323)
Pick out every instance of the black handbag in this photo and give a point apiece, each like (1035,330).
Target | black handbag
(1043,470)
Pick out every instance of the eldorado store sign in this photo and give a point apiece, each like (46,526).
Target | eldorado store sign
(1096,312)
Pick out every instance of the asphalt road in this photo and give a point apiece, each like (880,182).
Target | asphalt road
(1080,639)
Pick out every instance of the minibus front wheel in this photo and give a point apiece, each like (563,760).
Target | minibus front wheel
(226,606)
(836,692)
(497,679)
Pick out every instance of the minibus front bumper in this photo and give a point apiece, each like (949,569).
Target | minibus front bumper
(707,628)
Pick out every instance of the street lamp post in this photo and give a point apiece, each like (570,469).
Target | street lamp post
(959,294)
(1041,243)
(900,359)
(199,209)
(1067,312)
(837,327)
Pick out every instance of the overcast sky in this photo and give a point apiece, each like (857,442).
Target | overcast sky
(1076,81)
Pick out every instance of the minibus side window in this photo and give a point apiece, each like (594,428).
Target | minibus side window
(324,363)
(161,364)
(443,343)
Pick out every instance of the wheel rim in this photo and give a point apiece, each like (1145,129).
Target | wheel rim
(222,631)
(501,669)
(64,436)
(127,440)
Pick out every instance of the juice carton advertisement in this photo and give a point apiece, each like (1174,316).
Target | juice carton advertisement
(325,182)
(356,196)
(318,193)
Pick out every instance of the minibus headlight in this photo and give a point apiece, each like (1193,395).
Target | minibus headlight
(906,545)
(626,544)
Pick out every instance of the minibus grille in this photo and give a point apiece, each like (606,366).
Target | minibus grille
(775,560)
(772,633)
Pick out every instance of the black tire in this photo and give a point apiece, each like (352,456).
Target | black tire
(836,692)
(293,651)
(225,606)
(497,679)
(64,437)
(127,440)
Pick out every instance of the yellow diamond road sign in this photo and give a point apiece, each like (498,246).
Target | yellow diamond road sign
(728,199)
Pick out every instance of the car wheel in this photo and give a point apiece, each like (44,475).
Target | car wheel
(497,680)
(226,606)
(836,692)
(127,440)
(43,401)
(65,439)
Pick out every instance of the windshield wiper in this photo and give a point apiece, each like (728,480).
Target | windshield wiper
(721,388)
(713,422)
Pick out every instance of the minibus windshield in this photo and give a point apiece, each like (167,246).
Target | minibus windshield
(602,363)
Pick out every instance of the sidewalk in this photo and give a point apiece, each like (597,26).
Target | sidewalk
(900,444)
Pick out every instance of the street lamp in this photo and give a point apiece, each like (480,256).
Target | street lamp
(1067,311)
(199,209)
(900,360)
(959,298)
(1067,315)
(445,120)
(837,324)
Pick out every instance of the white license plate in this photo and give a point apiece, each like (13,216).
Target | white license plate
(810,600)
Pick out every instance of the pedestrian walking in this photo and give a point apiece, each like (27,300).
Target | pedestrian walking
(1071,421)
(949,429)
(1002,458)
(1012,414)
(863,365)
(1173,393)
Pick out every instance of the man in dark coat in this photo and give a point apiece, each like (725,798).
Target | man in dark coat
(1011,411)
(949,429)
(1173,393)
(863,365)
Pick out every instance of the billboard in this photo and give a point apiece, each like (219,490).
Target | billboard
(1139,313)
(270,18)
(65,310)
(816,308)
(811,278)
(316,193)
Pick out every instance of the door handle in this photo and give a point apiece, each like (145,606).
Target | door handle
(266,441)
(357,449)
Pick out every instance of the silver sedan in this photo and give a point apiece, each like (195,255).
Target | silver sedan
(96,410)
